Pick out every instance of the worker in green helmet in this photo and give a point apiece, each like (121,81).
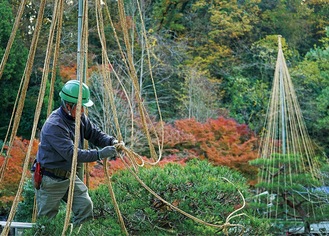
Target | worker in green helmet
(51,170)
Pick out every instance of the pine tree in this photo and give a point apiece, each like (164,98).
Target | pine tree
(285,193)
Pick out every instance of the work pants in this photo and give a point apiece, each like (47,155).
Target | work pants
(53,190)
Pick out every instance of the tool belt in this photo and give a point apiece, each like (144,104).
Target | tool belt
(56,173)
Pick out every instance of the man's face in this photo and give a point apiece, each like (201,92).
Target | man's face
(73,110)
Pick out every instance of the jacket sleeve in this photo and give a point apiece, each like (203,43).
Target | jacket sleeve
(57,147)
(94,135)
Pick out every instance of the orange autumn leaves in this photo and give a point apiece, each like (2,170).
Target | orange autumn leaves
(14,168)
(221,141)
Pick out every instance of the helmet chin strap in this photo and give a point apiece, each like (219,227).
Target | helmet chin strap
(65,108)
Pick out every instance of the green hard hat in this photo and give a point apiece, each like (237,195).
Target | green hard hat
(70,93)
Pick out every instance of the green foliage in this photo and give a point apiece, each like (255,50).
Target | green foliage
(6,24)
(198,188)
(10,80)
(289,191)
(169,15)
(207,192)
(25,207)
(311,79)
(247,106)
(293,20)
(44,226)
(27,119)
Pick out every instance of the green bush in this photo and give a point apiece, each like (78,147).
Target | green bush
(197,188)
(25,207)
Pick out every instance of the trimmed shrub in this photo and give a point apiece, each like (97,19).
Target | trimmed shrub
(197,188)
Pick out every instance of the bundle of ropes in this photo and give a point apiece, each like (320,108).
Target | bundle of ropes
(131,159)
(287,151)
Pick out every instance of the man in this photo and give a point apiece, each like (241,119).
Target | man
(55,153)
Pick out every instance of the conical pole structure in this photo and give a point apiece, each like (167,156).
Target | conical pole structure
(288,153)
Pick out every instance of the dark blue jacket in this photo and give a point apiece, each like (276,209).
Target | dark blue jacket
(57,141)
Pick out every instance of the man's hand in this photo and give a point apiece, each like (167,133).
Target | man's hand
(115,141)
(118,145)
(108,151)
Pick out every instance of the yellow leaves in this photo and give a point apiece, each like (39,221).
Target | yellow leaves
(199,4)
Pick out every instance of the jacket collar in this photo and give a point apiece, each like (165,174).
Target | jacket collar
(65,115)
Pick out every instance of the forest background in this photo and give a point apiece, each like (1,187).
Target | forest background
(210,59)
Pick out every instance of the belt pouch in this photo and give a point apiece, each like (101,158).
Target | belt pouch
(37,175)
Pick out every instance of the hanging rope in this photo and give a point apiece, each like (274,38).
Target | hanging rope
(225,226)
(133,158)
(133,75)
(58,27)
(108,86)
(5,163)
(12,36)
(77,121)
(24,84)
(286,141)
(55,59)
(37,112)
(160,143)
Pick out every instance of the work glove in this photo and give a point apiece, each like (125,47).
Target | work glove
(118,144)
(108,151)
(115,141)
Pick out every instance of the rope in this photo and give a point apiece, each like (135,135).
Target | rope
(286,137)
(129,153)
(133,157)
(23,86)
(104,49)
(104,71)
(12,36)
(152,79)
(5,163)
(37,113)
(77,123)
(132,72)
(58,26)
(55,59)
(112,194)
(35,210)
(109,87)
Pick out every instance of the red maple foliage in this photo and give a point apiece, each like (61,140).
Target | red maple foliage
(221,141)
(97,174)
(70,71)
(14,168)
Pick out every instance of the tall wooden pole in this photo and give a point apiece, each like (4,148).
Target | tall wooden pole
(80,56)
